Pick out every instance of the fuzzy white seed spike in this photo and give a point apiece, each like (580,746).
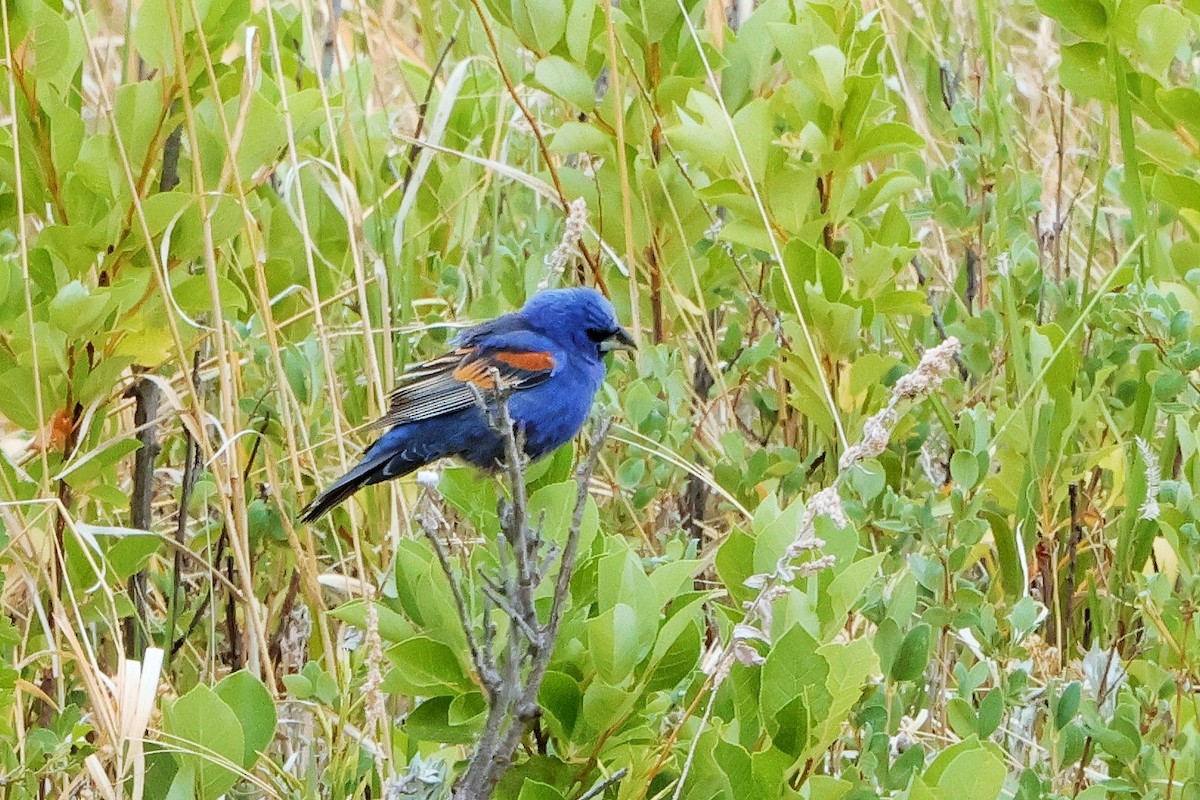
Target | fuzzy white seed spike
(560,256)
(1149,508)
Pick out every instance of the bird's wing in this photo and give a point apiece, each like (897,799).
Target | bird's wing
(452,382)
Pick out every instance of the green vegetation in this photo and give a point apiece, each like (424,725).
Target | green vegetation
(225,227)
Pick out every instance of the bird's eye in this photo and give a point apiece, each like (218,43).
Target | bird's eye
(597,335)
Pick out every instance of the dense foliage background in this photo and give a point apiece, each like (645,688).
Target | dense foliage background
(226,226)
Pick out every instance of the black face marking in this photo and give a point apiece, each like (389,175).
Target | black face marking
(598,335)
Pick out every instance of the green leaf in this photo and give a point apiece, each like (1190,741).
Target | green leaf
(579,29)
(968,769)
(1161,32)
(203,719)
(548,18)
(622,580)
(567,81)
(561,700)
(129,554)
(964,468)
(961,716)
(579,137)
(991,711)
(137,113)
(914,654)
(48,45)
(195,296)
(1084,71)
(555,505)
(1177,191)
(75,310)
(534,790)
(794,696)
(1086,19)
(17,399)
(430,721)
(152,34)
(831,67)
(845,589)
(393,627)
(888,138)
(613,643)
(603,707)
(672,578)
(851,665)
(1068,704)
(682,615)
(425,667)
(251,702)
(101,379)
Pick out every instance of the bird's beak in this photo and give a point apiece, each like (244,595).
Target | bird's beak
(621,340)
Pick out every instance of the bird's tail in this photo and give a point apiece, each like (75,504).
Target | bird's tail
(371,470)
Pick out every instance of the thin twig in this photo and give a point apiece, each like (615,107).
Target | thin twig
(599,788)
(414,147)
(479,656)
(562,585)
(191,466)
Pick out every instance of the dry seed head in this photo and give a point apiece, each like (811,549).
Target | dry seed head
(827,503)
(934,366)
(560,256)
(1149,508)
(374,704)
(810,568)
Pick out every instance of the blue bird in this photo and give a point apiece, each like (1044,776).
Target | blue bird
(549,357)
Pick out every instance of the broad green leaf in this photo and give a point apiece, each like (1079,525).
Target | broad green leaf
(964,468)
(423,666)
(430,721)
(48,46)
(567,81)
(1161,32)
(613,643)
(622,580)
(254,708)
(579,29)
(217,744)
(152,34)
(888,138)
(914,654)
(1084,71)
(579,137)
(393,627)
(555,504)
(1068,704)
(831,67)
(548,18)
(76,310)
(968,769)
(603,707)
(561,700)
(794,696)
(1086,19)
(534,790)
(845,589)
(851,666)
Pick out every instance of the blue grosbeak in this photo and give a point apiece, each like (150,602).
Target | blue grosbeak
(549,357)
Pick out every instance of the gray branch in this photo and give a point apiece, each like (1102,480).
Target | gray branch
(512,673)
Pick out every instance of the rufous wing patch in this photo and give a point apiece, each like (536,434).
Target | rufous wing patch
(476,372)
(530,362)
